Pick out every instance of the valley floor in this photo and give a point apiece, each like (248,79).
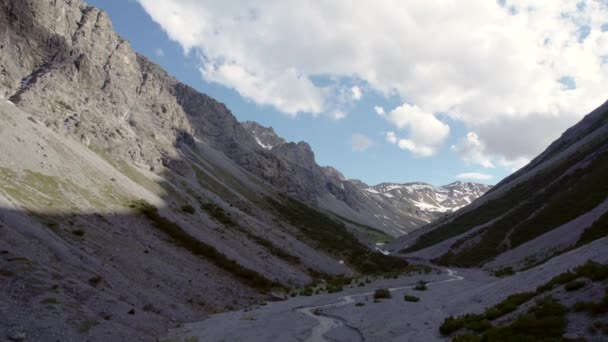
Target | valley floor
(353,315)
(339,317)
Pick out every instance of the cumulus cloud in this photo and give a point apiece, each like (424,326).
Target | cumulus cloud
(425,131)
(391,137)
(379,110)
(474,176)
(472,150)
(360,142)
(495,66)
(356,93)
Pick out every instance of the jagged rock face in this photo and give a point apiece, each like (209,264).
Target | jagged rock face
(394,208)
(79,77)
(264,136)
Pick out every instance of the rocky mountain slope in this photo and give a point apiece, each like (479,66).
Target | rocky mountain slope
(130,202)
(556,203)
(396,209)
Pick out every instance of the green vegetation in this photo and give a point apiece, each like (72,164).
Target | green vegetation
(50,300)
(504,272)
(598,230)
(560,202)
(201,249)
(420,286)
(333,237)
(575,285)
(593,308)
(382,293)
(409,298)
(78,232)
(546,316)
(188,209)
(553,202)
(218,213)
(85,326)
(95,280)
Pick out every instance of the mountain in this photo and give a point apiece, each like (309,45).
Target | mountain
(395,209)
(129,201)
(557,203)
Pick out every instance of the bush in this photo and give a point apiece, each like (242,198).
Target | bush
(188,209)
(78,232)
(382,293)
(420,286)
(408,298)
(574,285)
(360,304)
(504,272)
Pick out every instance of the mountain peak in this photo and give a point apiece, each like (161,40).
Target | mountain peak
(266,137)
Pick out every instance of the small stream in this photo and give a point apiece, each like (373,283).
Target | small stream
(328,322)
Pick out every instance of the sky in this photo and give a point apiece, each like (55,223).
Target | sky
(388,91)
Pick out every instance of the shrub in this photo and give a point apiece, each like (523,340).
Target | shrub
(78,232)
(360,304)
(382,293)
(95,280)
(420,286)
(188,209)
(409,298)
(50,301)
(504,272)
(574,285)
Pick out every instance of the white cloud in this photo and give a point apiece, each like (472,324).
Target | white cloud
(159,52)
(474,176)
(391,137)
(379,110)
(360,142)
(472,150)
(356,93)
(426,132)
(494,68)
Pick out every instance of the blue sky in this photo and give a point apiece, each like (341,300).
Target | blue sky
(474,144)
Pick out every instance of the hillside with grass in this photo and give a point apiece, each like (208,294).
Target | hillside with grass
(555,204)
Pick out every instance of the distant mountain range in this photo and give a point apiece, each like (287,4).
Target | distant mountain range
(394,208)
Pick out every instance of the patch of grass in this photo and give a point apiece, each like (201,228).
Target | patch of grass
(188,209)
(546,314)
(409,298)
(50,300)
(574,285)
(218,213)
(382,293)
(508,305)
(504,272)
(595,309)
(560,202)
(78,232)
(545,321)
(95,280)
(333,237)
(201,249)
(85,326)
(420,286)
